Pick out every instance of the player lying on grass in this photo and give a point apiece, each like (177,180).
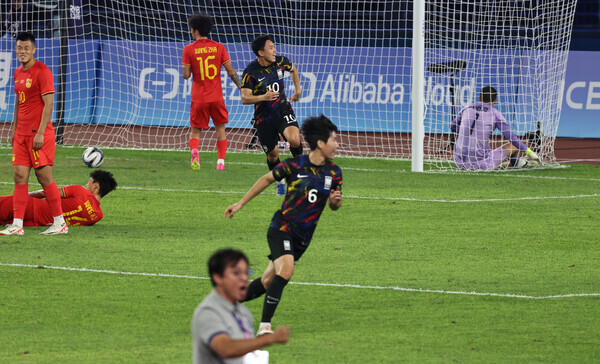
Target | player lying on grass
(313,182)
(80,204)
(475,125)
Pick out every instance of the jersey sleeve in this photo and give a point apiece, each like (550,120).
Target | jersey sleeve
(46,81)
(224,55)
(247,80)
(504,128)
(71,191)
(209,324)
(286,63)
(282,170)
(185,55)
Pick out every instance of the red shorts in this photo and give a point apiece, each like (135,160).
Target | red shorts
(24,155)
(201,112)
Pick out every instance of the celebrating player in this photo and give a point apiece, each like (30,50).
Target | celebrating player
(203,59)
(313,181)
(262,85)
(80,204)
(32,137)
(475,125)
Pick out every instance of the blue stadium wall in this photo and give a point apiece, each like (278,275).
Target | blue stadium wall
(103,91)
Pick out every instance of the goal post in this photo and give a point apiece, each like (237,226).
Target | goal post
(373,67)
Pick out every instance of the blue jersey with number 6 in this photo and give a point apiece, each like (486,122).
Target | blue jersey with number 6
(308,189)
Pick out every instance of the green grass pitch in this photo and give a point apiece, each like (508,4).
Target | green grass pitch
(415,267)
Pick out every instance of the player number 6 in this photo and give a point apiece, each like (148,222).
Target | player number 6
(312,195)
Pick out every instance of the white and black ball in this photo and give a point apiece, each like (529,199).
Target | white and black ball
(93,157)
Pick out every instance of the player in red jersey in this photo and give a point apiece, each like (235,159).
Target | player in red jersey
(32,137)
(80,204)
(203,59)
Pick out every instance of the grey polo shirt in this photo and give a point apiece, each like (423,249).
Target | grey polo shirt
(216,315)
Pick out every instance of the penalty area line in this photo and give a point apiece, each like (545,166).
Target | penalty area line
(336,285)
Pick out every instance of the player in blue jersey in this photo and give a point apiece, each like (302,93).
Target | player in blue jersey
(313,182)
(263,87)
(475,125)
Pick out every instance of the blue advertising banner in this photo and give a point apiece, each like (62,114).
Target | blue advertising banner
(140,83)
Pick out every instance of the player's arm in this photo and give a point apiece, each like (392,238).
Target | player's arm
(504,128)
(260,185)
(41,194)
(13,130)
(335,198)
(38,139)
(186,71)
(233,75)
(248,98)
(226,347)
(296,80)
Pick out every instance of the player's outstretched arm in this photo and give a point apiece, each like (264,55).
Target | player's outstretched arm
(335,199)
(260,185)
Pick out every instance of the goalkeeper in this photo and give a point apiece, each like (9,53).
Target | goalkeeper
(80,204)
(474,125)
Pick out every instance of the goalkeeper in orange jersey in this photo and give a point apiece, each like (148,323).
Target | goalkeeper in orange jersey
(203,60)
(80,204)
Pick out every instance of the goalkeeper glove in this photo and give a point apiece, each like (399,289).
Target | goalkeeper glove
(534,157)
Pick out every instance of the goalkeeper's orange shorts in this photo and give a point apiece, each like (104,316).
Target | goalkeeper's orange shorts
(201,112)
(24,155)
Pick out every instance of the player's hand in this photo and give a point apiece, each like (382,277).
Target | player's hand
(231,210)
(335,198)
(270,96)
(38,141)
(281,334)
(533,156)
(11,137)
(295,97)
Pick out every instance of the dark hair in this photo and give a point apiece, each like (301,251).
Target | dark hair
(203,23)
(317,128)
(258,44)
(106,181)
(26,36)
(221,259)
(488,94)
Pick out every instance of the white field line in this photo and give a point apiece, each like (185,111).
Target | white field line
(411,199)
(336,285)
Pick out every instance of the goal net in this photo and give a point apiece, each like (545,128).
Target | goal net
(117,67)
(518,47)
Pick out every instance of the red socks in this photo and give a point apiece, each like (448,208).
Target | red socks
(53,197)
(194,143)
(20,198)
(221,148)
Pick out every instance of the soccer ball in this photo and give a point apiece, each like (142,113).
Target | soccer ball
(93,157)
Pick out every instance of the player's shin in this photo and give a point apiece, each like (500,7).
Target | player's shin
(272,297)
(255,289)
(20,198)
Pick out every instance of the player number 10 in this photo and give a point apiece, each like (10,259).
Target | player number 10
(206,68)
(21,95)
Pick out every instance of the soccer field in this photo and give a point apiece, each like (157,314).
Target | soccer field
(415,267)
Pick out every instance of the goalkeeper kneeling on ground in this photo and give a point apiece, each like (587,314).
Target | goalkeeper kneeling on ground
(474,125)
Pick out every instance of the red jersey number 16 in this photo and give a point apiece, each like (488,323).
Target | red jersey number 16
(206,68)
